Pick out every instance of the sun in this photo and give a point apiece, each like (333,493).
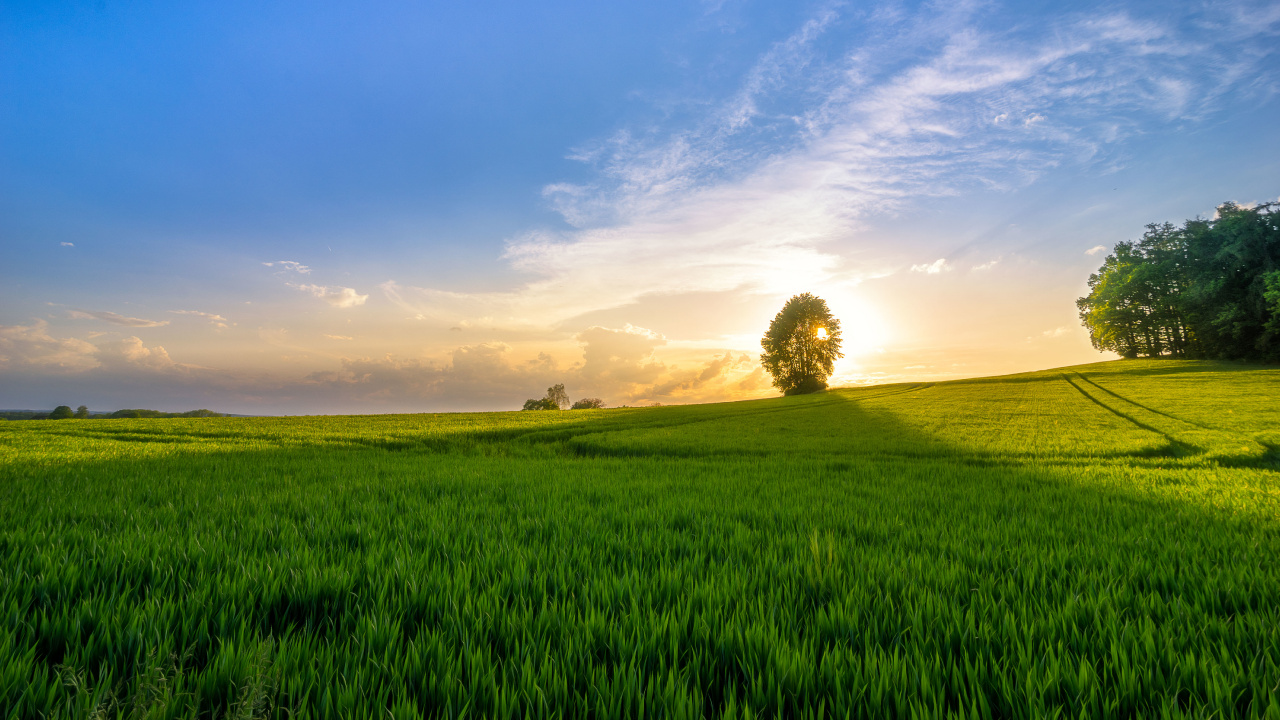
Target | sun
(822,333)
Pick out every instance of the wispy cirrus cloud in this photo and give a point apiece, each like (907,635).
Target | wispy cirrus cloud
(115,318)
(937,266)
(289,266)
(337,296)
(217,321)
(768,191)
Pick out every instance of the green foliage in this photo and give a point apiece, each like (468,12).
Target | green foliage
(82,412)
(1099,541)
(1195,291)
(588,404)
(140,413)
(62,412)
(795,352)
(555,399)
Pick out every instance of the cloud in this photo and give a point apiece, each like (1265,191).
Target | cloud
(768,190)
(620,356)
(132,352)
(290,265)
(217,321)
(1095,250)
(341,297)
(339,337)
(617,364)
(1056,332)
(987,265)
(115,318)
(67,244)
(31,347)
(933,268)
(480,375)
(684,382)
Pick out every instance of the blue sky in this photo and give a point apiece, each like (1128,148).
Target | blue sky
(311,207)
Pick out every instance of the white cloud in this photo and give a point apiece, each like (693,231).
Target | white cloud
(290,265)
(1095,250)
(341,297)
(933,268)
(766,193)
(32,347)
(987,265)
(115,318)
(131,351)
(67,244)
(338,337)
(217,321)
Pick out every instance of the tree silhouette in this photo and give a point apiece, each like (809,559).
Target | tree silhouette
(82,412)
(556,399)
(802,345)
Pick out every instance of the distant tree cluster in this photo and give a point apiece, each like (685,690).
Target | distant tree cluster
(64,412)
(557,399)
(1208,289)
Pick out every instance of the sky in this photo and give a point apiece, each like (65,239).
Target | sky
(316,207)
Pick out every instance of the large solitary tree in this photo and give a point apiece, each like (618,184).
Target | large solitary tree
(802,345)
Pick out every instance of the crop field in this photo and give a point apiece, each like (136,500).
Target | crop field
(1094,541)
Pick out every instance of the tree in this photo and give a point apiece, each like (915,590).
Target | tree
(82,412)
(556,399)
(1206,289)
(588,404)
(62,412)
(802,345)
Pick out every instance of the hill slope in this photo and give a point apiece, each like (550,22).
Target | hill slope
(1099,539)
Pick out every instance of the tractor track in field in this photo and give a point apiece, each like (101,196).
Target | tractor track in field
(1118,396)
(1223,446)
(1118,413)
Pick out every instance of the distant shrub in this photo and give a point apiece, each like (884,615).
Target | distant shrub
(62,412)
(141,413)
(588,404)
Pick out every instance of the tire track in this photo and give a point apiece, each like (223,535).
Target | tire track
(1221,446)
(1150,428)
(1117,395)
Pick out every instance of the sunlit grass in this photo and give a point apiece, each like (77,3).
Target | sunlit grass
(1098,540)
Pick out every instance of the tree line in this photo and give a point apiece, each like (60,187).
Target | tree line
(1207,289)
(64,412)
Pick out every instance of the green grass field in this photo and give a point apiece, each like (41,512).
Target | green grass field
(1096,541)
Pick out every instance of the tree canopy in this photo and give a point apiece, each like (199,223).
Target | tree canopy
(555,399)
(801,345)
(1210,288)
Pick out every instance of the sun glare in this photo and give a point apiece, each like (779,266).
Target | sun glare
(822,333)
